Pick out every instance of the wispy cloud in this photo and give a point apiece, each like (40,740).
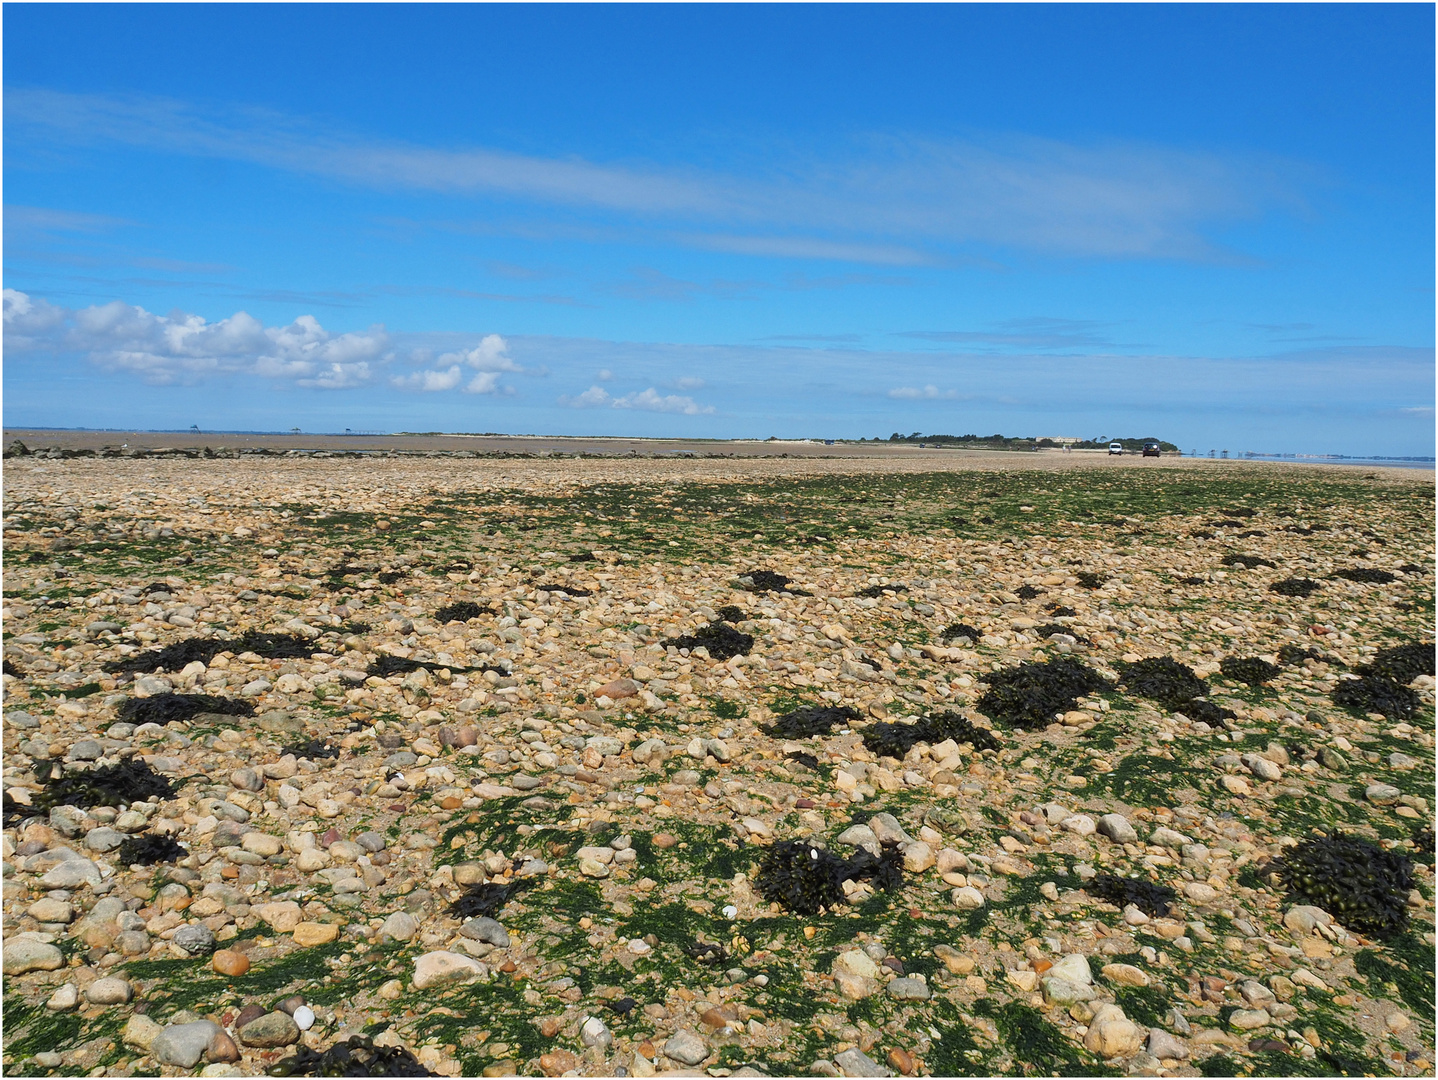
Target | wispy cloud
(881,198)
(928,392)
(1032,333)
(649,400)
(43,219)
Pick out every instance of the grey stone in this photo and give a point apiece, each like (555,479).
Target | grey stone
(371,841)
(1074,968)
(1330,758)
(1162,1044)
(525,782)
(1065,993)
(593,1032)
(21,719)
(70,821)
(860,836)
(888,830)
(86,750)
(907,988)
(108,991)
(71,874)
(272,1029)
(195,938)
(686,1048)
(854,1062)
(401,926)
(104,839)
(486,929)
(1117,829)
(183,1045)
(24,956)
(1381,794)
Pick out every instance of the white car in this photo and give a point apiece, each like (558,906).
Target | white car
(1116,448)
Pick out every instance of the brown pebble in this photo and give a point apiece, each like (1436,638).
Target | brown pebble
(502,1068)
(645,1049)
(509,967)
(804,804)
(557,1063)
(230,872)
(451,802)
(664,840)
(902,1060)
(331,836)
(549,1026)
(290,1004)
(397,808)
(230,962)
(466,736)
(248,1013)
(222,1048)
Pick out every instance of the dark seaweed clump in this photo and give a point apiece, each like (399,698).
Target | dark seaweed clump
(721,639)
(487,899)
(958,630)
(353,628)
(1354,880)
(147,849)
(584,556)
(1048,630)
(313,749)
(873,592)
(1027,592)
(804,878)
(731,614)
(896,740)
(11,669)
(356,1056)
(462,611)
(1374,693)
(176,656)
(811,720)
(1163,679)
(171,657)
(1295,586)
(1149,898)
(130,781)
(567,590)
(1032,695)
(1293,654)
(1090,579)
(1248,669)
(1367,575)
(1192,581)
(809,761)
(768,581)
(1059,611)
(1402,663)
(1423,844)
(706,953)
(1248,562)
(172,708)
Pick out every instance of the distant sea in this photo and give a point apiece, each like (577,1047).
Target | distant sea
(1343,459)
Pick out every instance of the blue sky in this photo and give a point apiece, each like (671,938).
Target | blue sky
(1214,224)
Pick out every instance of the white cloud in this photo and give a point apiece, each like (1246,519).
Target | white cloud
(592,398)
(429,381)
(486,382)
(491,354)
(929,392)
(604,375)
(651,400)
(688,382)
(182,348)
(880,199)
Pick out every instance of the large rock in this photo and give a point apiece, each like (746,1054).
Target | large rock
(183,1045)
(686,1048)
(1163,1045)
(1072,968)
(401,926)
(441,968)
(282,915)
(1063,992)
(1125,975)
(1111,1034)
(140,1033)
(270,1030)
(486,929)
(1117,829)
(108,991)
(854,1062)
(24,956)
(887,829)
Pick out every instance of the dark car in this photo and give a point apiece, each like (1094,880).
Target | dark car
(1150,449)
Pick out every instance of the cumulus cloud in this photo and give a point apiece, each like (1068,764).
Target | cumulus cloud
(649,400)
(182,348)
(429,381)
(929,392)
(604,375)
(491,354)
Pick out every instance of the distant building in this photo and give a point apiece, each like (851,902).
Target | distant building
(1060,438)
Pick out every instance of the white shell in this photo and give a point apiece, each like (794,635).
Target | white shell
(304,1018)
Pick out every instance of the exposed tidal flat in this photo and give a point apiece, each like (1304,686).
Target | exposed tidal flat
(910,763)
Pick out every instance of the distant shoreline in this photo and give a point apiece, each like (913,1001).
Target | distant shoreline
(95,439)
